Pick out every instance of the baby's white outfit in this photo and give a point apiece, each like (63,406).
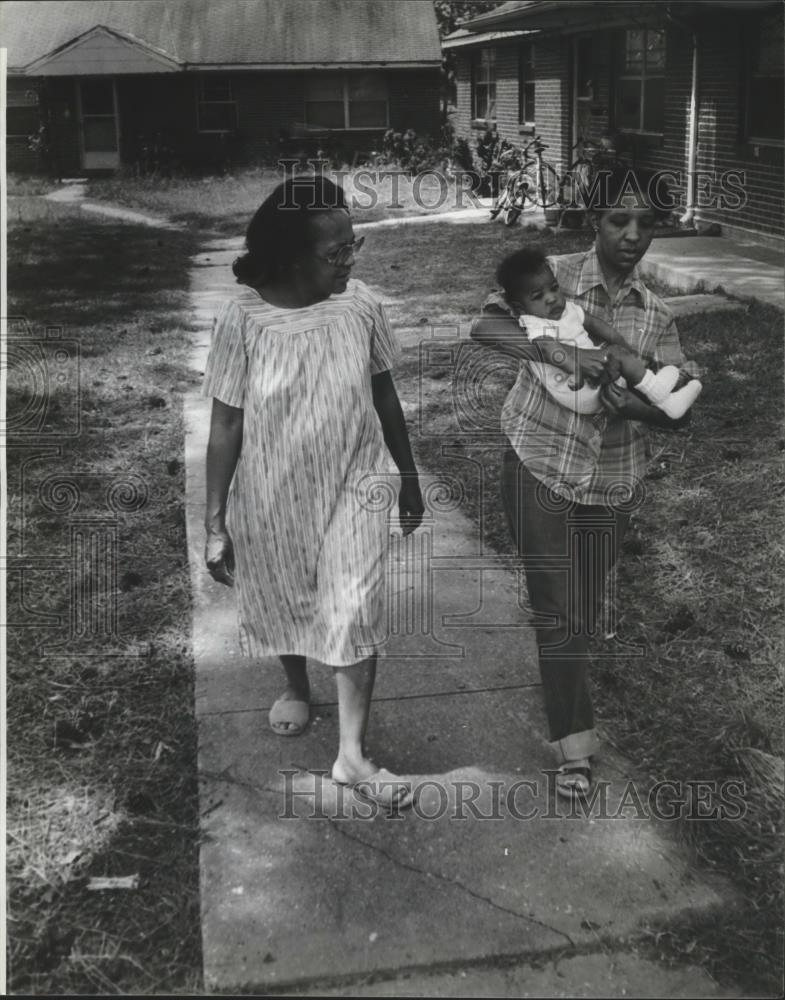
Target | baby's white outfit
(568,329)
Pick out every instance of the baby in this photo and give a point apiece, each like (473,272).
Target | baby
(534,295)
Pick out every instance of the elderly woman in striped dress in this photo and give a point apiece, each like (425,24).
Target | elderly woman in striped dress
(305,419)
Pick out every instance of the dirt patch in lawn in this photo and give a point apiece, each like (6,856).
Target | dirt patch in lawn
(101,729)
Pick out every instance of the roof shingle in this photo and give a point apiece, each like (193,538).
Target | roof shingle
(234,32)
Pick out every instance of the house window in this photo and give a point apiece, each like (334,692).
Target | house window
(526,84)
(347,101)
(22,115)
(640,81)
(484,97)
(216,108)
(324,101)
(367,98)
(765,108)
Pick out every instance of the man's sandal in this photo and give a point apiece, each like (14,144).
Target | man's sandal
(573,781)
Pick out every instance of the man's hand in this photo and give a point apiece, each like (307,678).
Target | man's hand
(629,405)
(615,400)
(219,556)
(410,505)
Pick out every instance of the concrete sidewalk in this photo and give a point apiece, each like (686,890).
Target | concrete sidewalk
(74,192)
(302,891)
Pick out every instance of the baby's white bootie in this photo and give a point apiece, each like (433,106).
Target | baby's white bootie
(657,386)
(677,404)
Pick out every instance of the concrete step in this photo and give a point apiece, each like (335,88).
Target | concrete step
(707,264)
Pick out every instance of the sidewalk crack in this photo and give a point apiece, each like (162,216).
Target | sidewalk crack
(228,778)
(452,882)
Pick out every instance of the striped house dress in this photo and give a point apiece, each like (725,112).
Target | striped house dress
(310,546)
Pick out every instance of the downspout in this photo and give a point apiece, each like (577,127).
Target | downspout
(692,136)
(574,131)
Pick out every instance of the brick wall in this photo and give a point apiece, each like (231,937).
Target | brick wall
(507,123)
(720,145)
(551,98)
(667,152)
(462,116)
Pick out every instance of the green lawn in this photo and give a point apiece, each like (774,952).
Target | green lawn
(101,740)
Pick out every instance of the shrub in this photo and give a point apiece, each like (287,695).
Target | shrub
(415,154)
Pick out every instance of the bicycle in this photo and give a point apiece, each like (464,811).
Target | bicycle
(540,181)
(577,179)
(534,181)
(509,158)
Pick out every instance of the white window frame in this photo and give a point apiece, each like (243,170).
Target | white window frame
(523,81)
(643,76)
(200,100)
(346,127)
(484,60)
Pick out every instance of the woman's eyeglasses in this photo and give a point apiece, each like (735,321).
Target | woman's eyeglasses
(344,254)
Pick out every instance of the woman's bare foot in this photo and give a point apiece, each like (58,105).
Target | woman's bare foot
(376,784)
(350,770)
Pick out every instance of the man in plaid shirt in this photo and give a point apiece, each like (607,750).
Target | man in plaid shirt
(571,480)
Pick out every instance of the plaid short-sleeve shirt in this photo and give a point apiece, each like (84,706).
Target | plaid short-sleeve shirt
(593,459)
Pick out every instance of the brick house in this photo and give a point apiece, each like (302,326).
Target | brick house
(695,88)
(203,82)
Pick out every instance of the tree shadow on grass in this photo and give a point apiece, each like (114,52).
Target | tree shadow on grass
(98,274)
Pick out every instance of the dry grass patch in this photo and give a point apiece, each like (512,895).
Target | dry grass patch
(101,739)
(225,204)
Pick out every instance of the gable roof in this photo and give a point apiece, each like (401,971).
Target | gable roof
(123,52)
(242,33)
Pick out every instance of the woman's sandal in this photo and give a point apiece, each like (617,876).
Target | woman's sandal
(573,780)
(295,714)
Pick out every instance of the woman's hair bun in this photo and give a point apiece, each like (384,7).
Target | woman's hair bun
(244,268)
(280,230)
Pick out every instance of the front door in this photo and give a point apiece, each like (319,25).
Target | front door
(98,124)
